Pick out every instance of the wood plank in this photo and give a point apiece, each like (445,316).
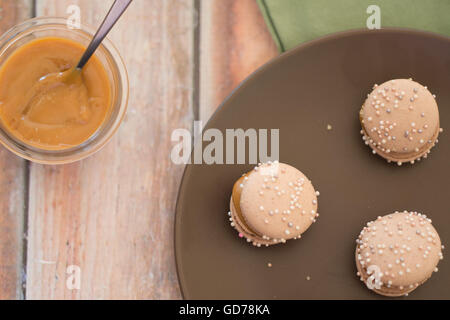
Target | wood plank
(234,42)
(12,186)
(112,214)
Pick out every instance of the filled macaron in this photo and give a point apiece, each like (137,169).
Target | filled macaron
(273,203)
(400,121)
(397,253)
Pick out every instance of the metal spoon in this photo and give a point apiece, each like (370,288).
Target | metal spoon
(73,75)
(116,11)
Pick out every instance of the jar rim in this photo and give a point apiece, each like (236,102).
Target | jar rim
(96,141)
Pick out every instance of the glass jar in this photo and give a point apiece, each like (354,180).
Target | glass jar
(112,62)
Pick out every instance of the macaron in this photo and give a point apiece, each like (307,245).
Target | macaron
(273,203)
(400,121)
(397,253)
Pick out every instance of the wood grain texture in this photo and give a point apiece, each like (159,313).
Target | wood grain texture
(12,186)
(112,214)
(234,42)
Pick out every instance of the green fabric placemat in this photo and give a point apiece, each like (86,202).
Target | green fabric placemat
(292,22)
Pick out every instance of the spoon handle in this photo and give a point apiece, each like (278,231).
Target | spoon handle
(116,11)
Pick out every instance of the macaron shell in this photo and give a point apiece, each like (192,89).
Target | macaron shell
(404,246)
(278,201)
(244,232)
(385,291)
(400,120)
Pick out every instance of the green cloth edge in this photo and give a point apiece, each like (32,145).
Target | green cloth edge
(270,24)
(440,9)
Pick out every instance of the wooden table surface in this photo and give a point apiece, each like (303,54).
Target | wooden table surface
(112,214)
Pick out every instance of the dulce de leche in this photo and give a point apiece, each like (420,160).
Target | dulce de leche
(40,107)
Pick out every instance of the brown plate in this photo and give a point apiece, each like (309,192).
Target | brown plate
(318,83)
